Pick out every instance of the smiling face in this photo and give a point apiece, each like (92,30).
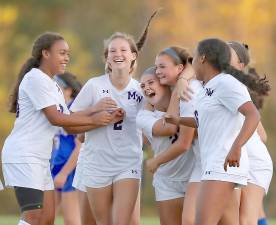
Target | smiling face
(57,57)
(119,55)
(198,65)
(152,89)
(166,70)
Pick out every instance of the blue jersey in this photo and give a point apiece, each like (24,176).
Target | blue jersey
(64,145)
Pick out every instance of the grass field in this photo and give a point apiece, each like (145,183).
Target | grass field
(13,220)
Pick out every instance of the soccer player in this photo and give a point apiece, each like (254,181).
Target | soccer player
(39,105)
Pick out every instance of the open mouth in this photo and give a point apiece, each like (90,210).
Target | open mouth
(118,60)
(150,93)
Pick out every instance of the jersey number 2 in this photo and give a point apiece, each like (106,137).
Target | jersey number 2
(118,125)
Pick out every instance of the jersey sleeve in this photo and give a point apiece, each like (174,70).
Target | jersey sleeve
(85,98)
(145,121)
(41,92)
(187,108)
(233,94)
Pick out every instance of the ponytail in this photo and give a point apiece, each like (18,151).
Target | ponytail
(29,64)
(256,84)
(140,43)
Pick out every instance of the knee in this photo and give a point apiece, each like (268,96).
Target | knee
(48,220)
(188,221)
(246,220)
(32,217)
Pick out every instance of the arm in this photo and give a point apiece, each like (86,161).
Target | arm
(181,145)
(104,104)
(172,115)
(182,86)
(103,118)
(262,133)
(252,118)
(69,166)
(166,129)
(59,119)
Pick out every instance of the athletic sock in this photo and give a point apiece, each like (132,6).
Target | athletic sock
(262,221)
(22,222)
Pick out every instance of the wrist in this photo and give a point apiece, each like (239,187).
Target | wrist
(181,76)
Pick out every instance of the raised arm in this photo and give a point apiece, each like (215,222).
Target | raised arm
(181,145)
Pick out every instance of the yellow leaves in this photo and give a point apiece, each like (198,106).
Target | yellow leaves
(8,15)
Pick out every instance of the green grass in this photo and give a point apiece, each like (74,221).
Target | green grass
(13,220)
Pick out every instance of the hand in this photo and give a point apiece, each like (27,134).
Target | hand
(149,107)
(102,118)
(152,165)
(60,180)
(118,115)
(105,104)
(182,85)
(171,119)
(233,157)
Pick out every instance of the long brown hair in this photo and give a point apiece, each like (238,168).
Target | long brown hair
(43,42)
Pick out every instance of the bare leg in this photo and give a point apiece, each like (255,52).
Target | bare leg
(86,214)
(135,219)
(231,213)
(125,194)
(48,211)
(251,203)
(70,208)
(189,207)
(170,211)
(100,200)
(212,200)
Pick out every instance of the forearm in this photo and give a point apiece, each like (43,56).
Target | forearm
(188,121)
(249,126)
(171,153)
(173,108)
(72,161)
(80,129)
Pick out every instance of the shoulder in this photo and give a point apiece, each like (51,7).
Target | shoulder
(97,79)
(227,81)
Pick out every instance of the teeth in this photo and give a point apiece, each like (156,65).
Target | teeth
(150,93)
(118,60)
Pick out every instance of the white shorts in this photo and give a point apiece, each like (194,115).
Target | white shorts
(29,175)
(103,181)
(78,178)
(196,173)
(166,189)
(224,176)
(260,177)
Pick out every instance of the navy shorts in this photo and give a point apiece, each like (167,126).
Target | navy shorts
(55,169)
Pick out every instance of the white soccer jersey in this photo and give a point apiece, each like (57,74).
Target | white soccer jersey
(178,169)
(187,108)
(32,136)
(116,147)
(258,154)
(219,122)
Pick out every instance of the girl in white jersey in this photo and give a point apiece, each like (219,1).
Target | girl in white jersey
(171,178)
(166,63)
(221,132)
(260,171)
(39,105)
(112,168)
